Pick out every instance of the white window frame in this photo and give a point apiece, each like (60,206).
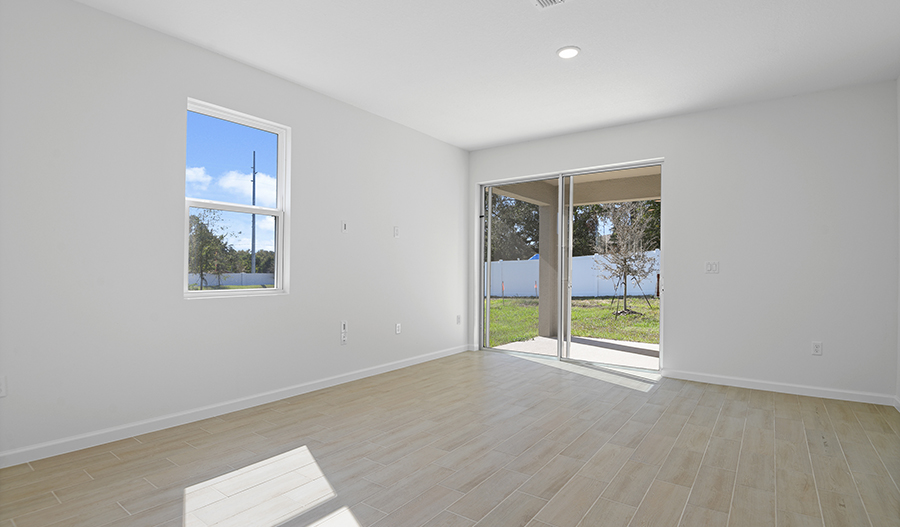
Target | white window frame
(280,212)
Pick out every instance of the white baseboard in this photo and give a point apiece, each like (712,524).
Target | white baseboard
(99,437)
(796,389)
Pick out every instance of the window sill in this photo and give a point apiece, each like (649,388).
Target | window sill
(198,295)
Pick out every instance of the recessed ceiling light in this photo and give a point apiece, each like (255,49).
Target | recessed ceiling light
(568,52)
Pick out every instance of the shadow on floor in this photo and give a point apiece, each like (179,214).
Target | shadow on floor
(599,343)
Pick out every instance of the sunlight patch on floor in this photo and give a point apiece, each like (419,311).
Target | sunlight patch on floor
(639,380)
(339,518)
(596,353)
(264,494)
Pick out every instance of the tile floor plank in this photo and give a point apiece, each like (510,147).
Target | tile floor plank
(879,494)
(713,488)
(421,509)
(34,503)
(482,499)
(680,467)
(479,469)
(654,449)
(448,519)
(840,510)
(515,511)
(662,505)
(546,482)
(631,483)
(391,498)
(752,508)
(796,492)
(571,503)
(700,517)
(608,513)
(535,457)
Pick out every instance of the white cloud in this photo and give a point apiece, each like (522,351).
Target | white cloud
(265,223)
(198,177)
(242,184)
(265,233)
(245,242)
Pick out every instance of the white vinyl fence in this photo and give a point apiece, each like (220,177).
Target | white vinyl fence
(233,279)
(520,278)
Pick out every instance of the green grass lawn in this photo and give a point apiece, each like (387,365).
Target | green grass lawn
(516,319)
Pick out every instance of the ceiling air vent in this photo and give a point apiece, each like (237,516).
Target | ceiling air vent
(548,3)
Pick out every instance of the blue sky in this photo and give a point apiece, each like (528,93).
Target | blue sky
(218,167)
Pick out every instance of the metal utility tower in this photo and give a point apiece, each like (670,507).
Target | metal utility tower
(253,222)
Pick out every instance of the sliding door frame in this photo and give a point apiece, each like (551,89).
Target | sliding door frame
(487,198)
(565,214)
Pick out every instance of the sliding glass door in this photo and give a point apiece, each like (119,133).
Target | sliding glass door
(571,266)
(611,311)
(521,258)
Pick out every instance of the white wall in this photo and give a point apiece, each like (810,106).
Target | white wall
(92,152)
(897,398)
(798,200)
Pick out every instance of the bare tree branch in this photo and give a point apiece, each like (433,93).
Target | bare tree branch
(623,254)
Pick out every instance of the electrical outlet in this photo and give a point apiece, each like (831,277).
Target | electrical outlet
(458,319)
(397,235)
(712,267)
(397,330)
(816,348)
(2,385)
(343,332)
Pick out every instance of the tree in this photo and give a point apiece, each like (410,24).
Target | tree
(265,261)
(208,249)
(241,261)
(585,229)
(651,235)
(515,227)
(626,253)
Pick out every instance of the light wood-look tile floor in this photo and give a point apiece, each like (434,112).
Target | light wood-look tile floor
(486,438)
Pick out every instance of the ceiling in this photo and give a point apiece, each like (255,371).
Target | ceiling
(608,186)
(481,73)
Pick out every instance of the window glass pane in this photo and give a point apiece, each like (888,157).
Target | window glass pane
(220,250)
(220,162)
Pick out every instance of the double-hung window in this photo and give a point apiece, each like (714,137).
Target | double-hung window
(235,205)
